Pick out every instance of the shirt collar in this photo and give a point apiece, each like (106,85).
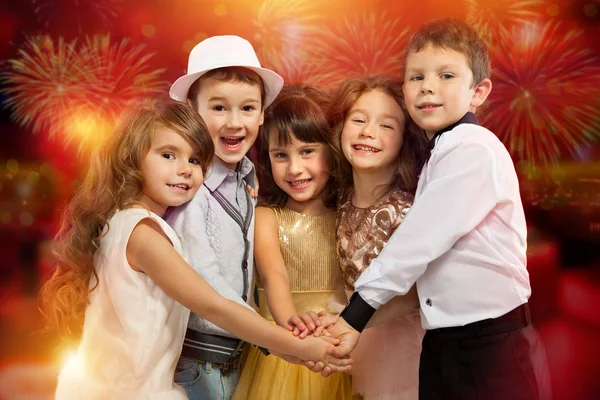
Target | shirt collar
(218,173)
(468,118)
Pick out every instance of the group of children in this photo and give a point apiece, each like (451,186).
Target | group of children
(158,247)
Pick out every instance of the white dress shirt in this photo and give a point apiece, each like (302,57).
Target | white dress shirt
(463,241)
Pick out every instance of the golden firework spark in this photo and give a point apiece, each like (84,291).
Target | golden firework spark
(366,45)
(493,18)
(123,72)
(283,25)
(45,83)
(55,87)
(296,68)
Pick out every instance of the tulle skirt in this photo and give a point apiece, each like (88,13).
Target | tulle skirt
(270,377)
(386,360)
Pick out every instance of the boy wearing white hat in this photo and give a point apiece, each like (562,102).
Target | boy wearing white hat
(227,86)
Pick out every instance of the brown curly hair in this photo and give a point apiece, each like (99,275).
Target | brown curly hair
(415,140)
(299,112)
(112,182)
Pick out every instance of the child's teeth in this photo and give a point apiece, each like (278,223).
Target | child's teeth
(299,183)
(231,141)
(370,149)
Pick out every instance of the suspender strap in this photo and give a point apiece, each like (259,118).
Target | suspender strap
(244,226)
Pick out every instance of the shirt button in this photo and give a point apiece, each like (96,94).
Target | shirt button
(428,302)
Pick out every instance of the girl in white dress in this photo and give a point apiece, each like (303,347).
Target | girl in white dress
(121,283)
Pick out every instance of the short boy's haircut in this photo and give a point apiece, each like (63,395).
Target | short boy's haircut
(454,34)
(227,74)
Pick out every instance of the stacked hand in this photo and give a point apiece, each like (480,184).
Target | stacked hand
(331,328)
(306,323)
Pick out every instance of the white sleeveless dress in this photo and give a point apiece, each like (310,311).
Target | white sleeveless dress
(133,332)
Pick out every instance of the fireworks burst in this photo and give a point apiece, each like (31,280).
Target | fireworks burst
(494,18)
(76,13)
(296,68)
(283,25)
(550,86)
(45,83)
(122,72)
(369,44)
(57,87)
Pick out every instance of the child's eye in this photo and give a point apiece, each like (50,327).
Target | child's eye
(248,108)
(447,76)
(219,108)
(358,120)
(168,156)
(387,126)
(307,152)
(194,161)
(280,155)
(417,78)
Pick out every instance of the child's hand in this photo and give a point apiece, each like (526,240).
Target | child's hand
(327,361)
(253,192)
(326,320)
(304,323)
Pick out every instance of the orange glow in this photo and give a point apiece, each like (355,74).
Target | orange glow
(87,128)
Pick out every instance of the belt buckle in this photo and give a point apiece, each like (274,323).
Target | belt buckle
(226,368)
(237,351)
(234,359)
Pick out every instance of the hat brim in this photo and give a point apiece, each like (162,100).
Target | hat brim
(272,81)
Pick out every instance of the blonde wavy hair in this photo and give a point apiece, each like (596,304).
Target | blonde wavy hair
(113,182)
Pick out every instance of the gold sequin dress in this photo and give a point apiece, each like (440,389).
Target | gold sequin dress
(307,244)
(386,359)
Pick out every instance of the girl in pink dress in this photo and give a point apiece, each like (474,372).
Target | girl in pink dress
(381,150)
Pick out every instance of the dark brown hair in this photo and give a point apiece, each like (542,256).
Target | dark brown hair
(113,181)
(457,35)
(227,74)
(298,112)
(414,137)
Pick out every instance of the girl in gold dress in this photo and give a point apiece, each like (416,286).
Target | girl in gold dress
(294,244)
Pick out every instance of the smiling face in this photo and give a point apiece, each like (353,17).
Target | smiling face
(233,113)
(300,169)
(439,88)
(373,133)
(171,171)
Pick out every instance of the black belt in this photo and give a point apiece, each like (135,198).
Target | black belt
(518,318)
(217,349)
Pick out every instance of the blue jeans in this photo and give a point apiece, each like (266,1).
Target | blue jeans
(203,382)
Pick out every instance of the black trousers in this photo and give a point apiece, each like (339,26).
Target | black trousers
(501,358)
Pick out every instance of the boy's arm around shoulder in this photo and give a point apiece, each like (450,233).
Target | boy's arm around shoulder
(460,191)
(189,222)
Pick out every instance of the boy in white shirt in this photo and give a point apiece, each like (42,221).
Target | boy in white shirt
(463,242)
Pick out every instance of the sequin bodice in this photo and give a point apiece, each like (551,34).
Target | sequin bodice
(307,244)
(362,232)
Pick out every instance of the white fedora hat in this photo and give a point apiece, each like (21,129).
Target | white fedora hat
(225,51)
